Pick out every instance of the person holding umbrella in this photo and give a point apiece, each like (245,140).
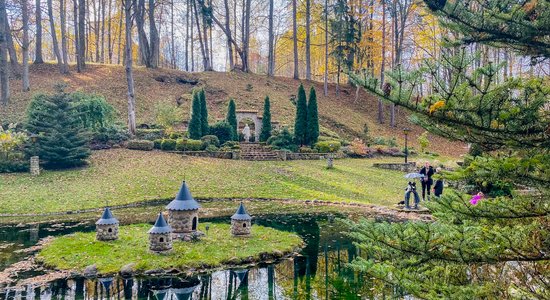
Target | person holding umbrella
(411,189)
(427,180)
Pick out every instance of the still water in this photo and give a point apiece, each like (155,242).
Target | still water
(319,272)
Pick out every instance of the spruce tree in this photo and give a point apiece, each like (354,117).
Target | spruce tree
(63,141)
(266,121)
(312,118)
(195,124)
(300,123)
(231,118)
(464,254)
(204,113)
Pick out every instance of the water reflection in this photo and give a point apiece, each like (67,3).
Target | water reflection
(319,272)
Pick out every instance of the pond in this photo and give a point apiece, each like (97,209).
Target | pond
(318,272)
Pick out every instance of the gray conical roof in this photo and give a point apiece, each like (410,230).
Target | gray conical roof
(183,200)
(107,218)
(160,226)
(241,214)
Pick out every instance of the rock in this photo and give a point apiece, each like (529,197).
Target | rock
(90,271)
(154,272)
(127,270)
(277,254)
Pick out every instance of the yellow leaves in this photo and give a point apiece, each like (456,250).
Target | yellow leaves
(436,106)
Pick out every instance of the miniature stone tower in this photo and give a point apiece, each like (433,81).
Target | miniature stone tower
(106,227)
(160,236)
(241,222)
(183,214)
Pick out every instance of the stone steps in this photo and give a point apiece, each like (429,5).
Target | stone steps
(257,152)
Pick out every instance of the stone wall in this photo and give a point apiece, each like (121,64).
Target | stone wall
(240,227)
(404,167)
(181,221)
(160,242)
(106,232)
(211,154)
(285,155)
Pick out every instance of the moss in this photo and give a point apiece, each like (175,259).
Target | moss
(76,251)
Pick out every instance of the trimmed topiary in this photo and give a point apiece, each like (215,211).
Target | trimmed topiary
(204,113)
(312,118)
(144,145)
(168,145)
(208,140)
(195,124)
(231,118)
(328,146)
(266,121)
(223,130)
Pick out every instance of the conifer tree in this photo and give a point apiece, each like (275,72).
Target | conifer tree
(195,124)
(204,113)
(312,118)
(464,254)
(300,123)
(266,121)
(63,142)
(231,118)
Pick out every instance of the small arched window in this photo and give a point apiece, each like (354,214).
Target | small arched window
(244,225)
(110,230)
(161,240)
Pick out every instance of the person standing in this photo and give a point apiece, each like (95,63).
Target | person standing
(427,181)
(438,186)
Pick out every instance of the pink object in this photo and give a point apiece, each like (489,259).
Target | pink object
(475,199)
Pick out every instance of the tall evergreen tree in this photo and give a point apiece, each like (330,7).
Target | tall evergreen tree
(204,113)
(266,121)
(312,118)
(231,118)
(63,141)
(300,123)
(195,124)
(464,254)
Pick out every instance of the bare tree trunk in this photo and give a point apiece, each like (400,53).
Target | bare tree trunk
(207,66)
(97,11)
(118,61)
(82,33)
(64,46)
(204,53)
(187,36)
(55,44)
(4,71)
(192,36)
(295,40)
(172,37)
(109,34)
(25,44)
(246,44)
(325,85)
(154,41)
(76,39)
(38,59)
(228,29)
(271,50)
(383,63)
(102,31)
(129,69)
(308,40)
(14,62)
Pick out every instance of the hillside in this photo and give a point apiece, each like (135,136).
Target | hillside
(338,113)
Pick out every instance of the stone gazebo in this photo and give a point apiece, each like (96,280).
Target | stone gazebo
(160,236)
(241,222)
(253,115)
(183,215)
(107,227)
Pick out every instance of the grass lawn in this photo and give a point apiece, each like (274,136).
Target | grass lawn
(76,251)
(122,176)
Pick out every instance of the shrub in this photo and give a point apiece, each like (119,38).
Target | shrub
(358,148)
(13,166)
(195,124)
(305,149)
(113,134)
(223,130)
(167,116)
(423,141)
(379,141)
(208,140)
(211,148)
(168,144)
(312,118)
(149,134)
(176,135)
(232,145)
(144,145)
(300,122)
(10,140)
(157,143)
(93,110)
(63,141)
(391,142)
(328,146)
(282,140)
(188,145)
(266,121)
(231,118)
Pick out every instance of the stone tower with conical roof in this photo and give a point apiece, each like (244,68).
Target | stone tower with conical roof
(183,214)
(106,227)
(241,222)
(160,236)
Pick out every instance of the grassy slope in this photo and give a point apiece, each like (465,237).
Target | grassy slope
(124,176)
(76,251)
(340,113)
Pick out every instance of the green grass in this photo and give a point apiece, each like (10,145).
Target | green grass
(124,176)
(76,251)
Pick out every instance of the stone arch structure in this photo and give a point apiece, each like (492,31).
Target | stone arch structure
(252,115)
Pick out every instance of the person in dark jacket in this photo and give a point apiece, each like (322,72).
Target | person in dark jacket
(427,180)
(411,189)
(438,186)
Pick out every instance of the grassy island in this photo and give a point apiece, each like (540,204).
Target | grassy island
(76,251)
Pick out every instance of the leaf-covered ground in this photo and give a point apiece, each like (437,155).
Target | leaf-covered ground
(76,251)
(122,176)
